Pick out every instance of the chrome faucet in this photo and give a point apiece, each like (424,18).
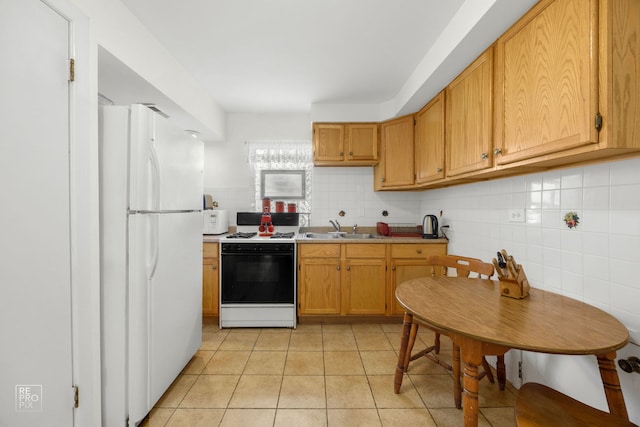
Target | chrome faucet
(336,224)
(355,228)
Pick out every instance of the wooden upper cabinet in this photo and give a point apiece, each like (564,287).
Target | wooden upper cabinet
(362,141)
(345,144)
(429,141)
(328,142)
(547,81)
(567,83)
(469,118)
(396,167)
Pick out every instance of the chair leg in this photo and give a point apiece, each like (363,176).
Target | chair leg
(457,389)
(436,344)
(502,375)
(487,370)
(401,368)
(412,341)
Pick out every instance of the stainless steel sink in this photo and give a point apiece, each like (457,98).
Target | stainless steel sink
(358,236)
(321,236)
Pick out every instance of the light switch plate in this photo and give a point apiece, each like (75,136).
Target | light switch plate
(516,215)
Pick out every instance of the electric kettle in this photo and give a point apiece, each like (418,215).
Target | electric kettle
(430,227)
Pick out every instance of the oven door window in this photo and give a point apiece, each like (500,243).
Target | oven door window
(257,279)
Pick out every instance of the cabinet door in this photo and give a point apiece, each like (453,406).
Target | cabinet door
(547,81)
(429,144)
(362,141)
(365,289)
(469,118)
(403,270)
(210,279)
(328,142)
(397,162)
(319,286)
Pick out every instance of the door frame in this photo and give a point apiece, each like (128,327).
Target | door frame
(84,214)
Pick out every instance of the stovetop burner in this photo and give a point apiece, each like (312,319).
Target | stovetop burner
(288,235)
(242,235)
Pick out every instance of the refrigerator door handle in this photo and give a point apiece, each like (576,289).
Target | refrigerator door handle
(155,178)
(155,244)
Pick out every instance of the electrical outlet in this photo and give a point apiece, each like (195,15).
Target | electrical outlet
(516,215)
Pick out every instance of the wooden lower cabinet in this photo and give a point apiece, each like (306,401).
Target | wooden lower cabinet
(319,286)
(352,279)
(409,262)
(319,279)
(210,279)
(365,267)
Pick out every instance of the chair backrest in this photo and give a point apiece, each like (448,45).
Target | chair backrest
(462,265)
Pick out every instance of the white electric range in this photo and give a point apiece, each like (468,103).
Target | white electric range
(258,272)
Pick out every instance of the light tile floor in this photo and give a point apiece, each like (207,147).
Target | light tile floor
(317,375)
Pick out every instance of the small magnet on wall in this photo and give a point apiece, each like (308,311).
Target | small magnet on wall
(572,219)
(342,213)
(385,213)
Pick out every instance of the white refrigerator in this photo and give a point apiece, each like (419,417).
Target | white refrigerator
(151,186)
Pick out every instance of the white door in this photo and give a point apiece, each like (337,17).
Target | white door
(166,164)
(165,303)
(35,232)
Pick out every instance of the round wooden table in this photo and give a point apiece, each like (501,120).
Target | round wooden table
(481,322)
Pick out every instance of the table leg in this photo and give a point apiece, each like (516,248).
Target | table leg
(472,358)
(400,368)
(611,383)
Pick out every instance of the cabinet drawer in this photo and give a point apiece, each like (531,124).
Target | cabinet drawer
(365,250)
(209,250)
(417,250)
(319,250)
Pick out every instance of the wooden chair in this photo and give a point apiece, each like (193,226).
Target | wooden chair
(539,405)
(463,267)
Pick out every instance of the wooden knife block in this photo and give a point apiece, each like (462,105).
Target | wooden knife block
(518,288)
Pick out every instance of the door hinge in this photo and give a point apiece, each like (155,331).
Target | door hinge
(598,122)
(76,401)
(520,370)
(72,70)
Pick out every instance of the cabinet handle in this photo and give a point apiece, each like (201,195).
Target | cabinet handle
(381,179)
(419,251)
(439,170)
(351,153)
(338,267)
(341,153)
(214,267)
(348,268)
(393,268)
(484,156)
(497,151)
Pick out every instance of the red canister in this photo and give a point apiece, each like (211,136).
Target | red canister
(279,206)
(266,204)
(291,207)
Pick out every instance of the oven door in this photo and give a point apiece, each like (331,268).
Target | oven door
(257,278)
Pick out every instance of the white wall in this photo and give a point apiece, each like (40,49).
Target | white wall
(596,262)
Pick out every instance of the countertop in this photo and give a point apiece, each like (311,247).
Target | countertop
(214,238)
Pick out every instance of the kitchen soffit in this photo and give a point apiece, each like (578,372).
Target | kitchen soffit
(285,55)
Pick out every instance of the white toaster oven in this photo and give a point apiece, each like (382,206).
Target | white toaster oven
(215,221)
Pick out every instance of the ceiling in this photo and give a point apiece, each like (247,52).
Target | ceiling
(292,55)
